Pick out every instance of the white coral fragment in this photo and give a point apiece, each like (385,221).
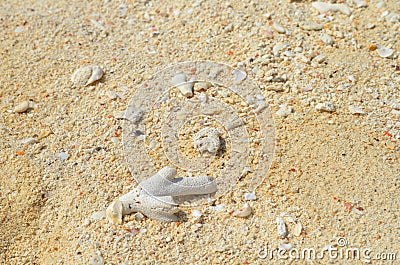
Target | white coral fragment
(207,140)
(155,196)
(243,212)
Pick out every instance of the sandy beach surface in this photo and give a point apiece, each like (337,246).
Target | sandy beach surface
(330,74)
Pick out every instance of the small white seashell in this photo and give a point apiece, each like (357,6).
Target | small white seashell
(282,232)
(186,88)
(243,212)
(385,52)
(24,106)
(87,75)
(356,110)
(97,260)
(30,140)
(326,106)
(286,246)
(298,228)
(63,155)
(250,196)
(98,215)
(278,28)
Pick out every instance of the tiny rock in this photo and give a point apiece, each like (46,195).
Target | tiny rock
(356,110)
(284,111)
(23,106)
(186,88)
(319,58)
(323,7)
(327,39)
(385,52)
(243,212)
(298,228)
(282,232)
(326,106)
(278,28)
(87,75)
(250,196)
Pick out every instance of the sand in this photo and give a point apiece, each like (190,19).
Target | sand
(335,176)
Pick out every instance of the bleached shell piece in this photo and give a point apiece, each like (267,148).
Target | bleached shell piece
(243,212)
(24,106)
(385,52)
(207,140)
(114,212)
(298,228)
(323,7)
(186,88)
(87,75)
(356,110)
(326,106)
(200,86)
(282,232)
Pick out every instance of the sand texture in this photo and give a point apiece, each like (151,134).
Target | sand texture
(331,81)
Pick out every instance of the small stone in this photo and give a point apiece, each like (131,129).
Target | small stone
(30,140)
(98,215)
(250,196)
(356,110)
(282,232)
(385,52)
(180,81)
(276,26)
(87,75)
(23,106)
(325,38)
(243,212)
(370,26)
(284,111)
(201,86)
(138,217)
(298,228)
(323,7)
(381,4)
(326,106)
(360,3)
(319,58)
(63,155)
(197,214)
(311,26)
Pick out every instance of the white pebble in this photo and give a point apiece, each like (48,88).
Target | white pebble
(381,5)
(284,111)
(250,196)
(385,52)
(30,140)
(186,88)
(197,213)
(360,3)
(286,246)
(323,7)
(243,212)
(281,227)
(87,75)
(278,28)
(298,228)
(63,155)
(326,39)
(320,58)
(326,106)
(356,110)
(23,106)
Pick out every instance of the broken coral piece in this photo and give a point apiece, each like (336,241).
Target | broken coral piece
(155,196)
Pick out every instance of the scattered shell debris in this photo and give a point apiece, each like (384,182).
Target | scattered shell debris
(87,75)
